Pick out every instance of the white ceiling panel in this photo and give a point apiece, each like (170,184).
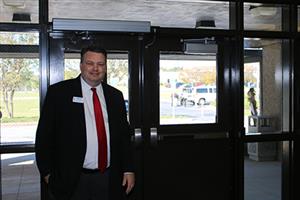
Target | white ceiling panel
(163,13)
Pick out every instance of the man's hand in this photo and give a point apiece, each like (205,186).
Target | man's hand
(128,181)
(46,178)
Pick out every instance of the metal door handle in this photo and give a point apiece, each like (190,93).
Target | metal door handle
(137,138)
(153,136)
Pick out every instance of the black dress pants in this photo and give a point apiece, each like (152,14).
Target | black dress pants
(92,185)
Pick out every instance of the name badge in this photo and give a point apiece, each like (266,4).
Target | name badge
(77,99)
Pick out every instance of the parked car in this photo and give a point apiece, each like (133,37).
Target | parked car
(181,92)
(200,95)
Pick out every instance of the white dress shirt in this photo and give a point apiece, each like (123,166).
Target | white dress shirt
(91,156)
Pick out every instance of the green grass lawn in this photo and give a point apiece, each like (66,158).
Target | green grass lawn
(26,108)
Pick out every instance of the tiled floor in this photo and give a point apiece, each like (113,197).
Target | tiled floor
(20,179)
(262,180)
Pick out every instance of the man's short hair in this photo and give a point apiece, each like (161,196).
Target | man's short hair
(92,49)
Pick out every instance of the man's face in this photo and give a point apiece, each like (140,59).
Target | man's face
(93,68)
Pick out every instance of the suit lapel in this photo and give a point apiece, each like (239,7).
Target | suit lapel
(107,96)
(109,106)
(77,92)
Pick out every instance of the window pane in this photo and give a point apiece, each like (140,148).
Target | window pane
(267,17)
(19,11)
(263,169)
(19,99)
(19,177)
(182,13)
(263,83)
(117,72)
(72,69)
(187,89)
(19,38)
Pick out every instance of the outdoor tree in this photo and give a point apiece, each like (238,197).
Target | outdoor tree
(249,73)
(117,71)
(196,75)
(72,69)
(18,38)
(15,74)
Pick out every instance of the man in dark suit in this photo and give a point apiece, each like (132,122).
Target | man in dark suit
(69,156)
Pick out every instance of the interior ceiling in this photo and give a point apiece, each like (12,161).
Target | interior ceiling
(163,13)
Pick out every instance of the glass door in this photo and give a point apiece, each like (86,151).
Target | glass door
(178,96)
(122,70)
(187,153)
(19,113)
(188,89)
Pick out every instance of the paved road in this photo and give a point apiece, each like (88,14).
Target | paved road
(188,114)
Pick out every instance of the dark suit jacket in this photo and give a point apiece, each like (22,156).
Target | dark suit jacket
(61,138)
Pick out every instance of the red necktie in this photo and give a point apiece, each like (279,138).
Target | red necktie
(102,144)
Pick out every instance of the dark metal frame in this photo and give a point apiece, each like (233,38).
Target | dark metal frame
(131,44)
(290,135)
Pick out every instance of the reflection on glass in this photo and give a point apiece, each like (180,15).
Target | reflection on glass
(19,177)
(258,16)
(19,38)
(19,99)
(187,89)
(262,168)
(262,85)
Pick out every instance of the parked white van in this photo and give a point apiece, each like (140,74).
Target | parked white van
(200,95)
